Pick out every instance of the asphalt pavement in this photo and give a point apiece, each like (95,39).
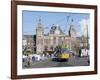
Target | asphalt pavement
(74,61)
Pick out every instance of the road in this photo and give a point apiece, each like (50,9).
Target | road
(74,61)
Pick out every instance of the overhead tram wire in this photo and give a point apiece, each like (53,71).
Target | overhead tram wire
(60,21)
(67,23)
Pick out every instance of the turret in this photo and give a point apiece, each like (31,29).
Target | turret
(72,31)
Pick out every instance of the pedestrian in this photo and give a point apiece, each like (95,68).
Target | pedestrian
(28,61)
(88,55)
(80,52)
(88,61)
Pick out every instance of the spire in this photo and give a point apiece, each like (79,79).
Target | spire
(72,31)
(71,25)
(39,19)
(39,22)
(39,28)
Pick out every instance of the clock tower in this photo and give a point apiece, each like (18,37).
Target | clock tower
(39,37)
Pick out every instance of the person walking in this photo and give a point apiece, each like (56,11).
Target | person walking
(28,61)
(80,52)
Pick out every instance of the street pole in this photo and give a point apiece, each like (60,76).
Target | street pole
(87,38)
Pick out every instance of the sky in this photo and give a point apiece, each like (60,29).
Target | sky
(30,20)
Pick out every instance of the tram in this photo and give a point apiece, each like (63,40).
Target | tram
(62,54)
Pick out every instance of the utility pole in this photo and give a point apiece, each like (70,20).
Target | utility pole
(87,37)
(67,24)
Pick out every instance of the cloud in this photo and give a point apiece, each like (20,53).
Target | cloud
(84,23)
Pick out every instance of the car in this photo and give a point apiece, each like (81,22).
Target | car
(37,57)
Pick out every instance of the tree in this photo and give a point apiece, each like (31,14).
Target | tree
(28,52)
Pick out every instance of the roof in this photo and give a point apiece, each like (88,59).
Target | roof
(55,28)
(28,36)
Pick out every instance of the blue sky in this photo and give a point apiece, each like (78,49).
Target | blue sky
(63,19)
